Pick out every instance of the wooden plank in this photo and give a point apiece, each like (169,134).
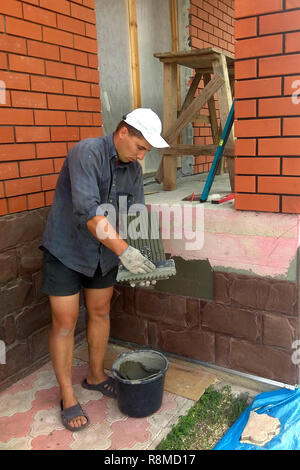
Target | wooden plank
(191,111)
(134,59)
(225,103)
(191,93)
(169,118)
(196,150)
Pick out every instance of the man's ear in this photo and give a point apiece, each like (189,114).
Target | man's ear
(123,132)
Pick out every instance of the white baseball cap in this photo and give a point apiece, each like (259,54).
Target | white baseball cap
(148,123)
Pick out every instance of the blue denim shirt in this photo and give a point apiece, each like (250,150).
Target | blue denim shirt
(89,177)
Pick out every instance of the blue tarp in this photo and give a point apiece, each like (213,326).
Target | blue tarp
(283,404)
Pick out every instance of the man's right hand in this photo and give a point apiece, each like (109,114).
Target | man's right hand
(135,262)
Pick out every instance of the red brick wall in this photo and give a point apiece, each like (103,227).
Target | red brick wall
(211,25)
(49,66)
(267,120)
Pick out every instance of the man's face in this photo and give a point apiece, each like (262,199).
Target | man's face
(131,148)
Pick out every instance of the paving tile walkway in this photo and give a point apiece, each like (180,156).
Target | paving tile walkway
(30,417)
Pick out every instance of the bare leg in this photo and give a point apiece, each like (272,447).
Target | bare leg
(98,305)
(65,311)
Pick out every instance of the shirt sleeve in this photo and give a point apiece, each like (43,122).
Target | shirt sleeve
(84,177)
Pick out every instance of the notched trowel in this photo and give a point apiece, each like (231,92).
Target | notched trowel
(143,233)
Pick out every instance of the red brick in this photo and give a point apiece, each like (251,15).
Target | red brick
(51,85)
(26,64)
(49,196)
(25,99)
(9,171)
(291,204)
(76,88)
(51,150)
(245,108)
(245,28)
(91,30)
(277,107)
(245,184)
(64,134)
(288,64)
(36,167)
(3,207)
(258,88)
(292,42)
(257,47)
(17,152)
(83,13)
(32,134)
(93,60)
(35,200)
(284,146)
(56,36)
(279,22)
(97,119)
(85,44)
(245,147)
(258,128)
(278,185)
(257,166)
(74,57)
(39,15)
(89,104)
(6,134)
(58,163)
(62,102)
(257,202)
(291,126)
(16,117)
(292,4)
(86,132)
(79,119)
(17,81)
(87,75)
(57,69)
(256,7)
(2,190)
(70,24)
(13,44)
(50,118)
(89,3)
(291,166)
(59,6)
(3,61)
(245,69)
(12,8)
(1,23)
(17,204)
(23,28)
(95,90)
(49,182)
(46,51)
(22,186)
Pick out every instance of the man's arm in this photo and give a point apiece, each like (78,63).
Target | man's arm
(101,229)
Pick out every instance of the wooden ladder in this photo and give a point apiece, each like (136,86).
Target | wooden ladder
(217,69)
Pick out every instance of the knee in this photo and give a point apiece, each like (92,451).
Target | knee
(64,328)
(100,311)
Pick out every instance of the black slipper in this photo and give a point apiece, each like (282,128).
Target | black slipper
(107,387)
(70,413)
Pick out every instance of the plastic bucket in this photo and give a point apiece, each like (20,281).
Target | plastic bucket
(141,397)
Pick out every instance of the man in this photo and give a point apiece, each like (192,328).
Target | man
(82,248)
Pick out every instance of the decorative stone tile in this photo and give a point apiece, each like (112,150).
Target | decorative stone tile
(18,443)
(96,437)
(19,402)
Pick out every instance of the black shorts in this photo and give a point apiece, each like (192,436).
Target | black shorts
(58,280)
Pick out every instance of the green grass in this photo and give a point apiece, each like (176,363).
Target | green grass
(206,422)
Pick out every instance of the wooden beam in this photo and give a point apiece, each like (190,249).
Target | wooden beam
(191,111)
(134,54)
(196,150)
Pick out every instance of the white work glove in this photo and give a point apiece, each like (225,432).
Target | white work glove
(135,262)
